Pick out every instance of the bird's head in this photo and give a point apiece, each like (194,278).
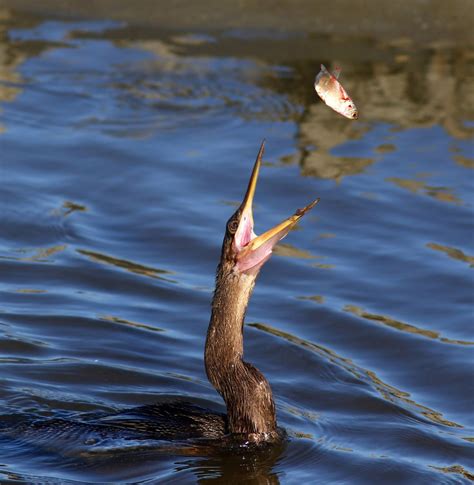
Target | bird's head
(242,250)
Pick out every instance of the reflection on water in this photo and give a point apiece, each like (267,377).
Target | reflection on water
(452,253)
(316,298)
(40,255)
(393,394)
(14,54)
(127,265)
(126,146)
(404,327)
(257,467)
(464,161)
(323,265)
(123,321)
(31,290)
(290,251)
(422,89)
(385,148)
(389,392)
(440,193)
(69,207)
(456,469)
(9,61)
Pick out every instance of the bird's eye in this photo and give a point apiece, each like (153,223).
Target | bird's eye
(232,226)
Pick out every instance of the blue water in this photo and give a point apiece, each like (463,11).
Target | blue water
(122,157)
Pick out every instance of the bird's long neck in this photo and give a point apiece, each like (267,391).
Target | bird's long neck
(245,390)
(225,333)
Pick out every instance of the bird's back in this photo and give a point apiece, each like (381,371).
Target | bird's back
(170,421)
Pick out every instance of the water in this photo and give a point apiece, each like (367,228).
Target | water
(123,153)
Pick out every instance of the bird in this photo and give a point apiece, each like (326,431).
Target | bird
(250,417)
(245,390)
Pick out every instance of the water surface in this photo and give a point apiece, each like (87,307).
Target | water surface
(124,151)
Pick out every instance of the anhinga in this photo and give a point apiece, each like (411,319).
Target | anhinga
(247,394)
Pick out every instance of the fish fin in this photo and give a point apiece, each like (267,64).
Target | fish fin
(336,72)
(343,94)
(320,74)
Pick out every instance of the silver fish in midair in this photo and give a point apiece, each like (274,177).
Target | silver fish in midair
(333,94)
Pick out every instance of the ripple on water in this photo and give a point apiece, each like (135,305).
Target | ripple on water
(138,140)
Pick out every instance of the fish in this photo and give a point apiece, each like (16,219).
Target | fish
(330,90)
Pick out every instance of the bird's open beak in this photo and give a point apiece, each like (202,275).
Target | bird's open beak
(252,250)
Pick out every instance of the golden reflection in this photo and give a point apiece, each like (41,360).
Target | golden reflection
(41,255)
(464,161)
(327,354)
(127,265)
(191,40)
(301,435)
(324,165)
(309,415)
(30,291)
(429,89)
(290,251)
(399,82)
(69,207)
(404,327)
(9,77)
(316,298)
(388,392)
(15,53)
(9,60)
(453,253)
(403,85)
(122,321)
(323,266)
(438,418)
(442,194)
(385,148)
(459,469)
